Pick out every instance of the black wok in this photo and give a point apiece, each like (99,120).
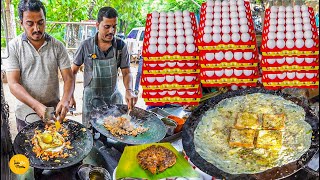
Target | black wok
(274,173)
(156,132)
(81,141)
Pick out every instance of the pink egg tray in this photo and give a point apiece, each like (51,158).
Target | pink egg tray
(181,79)
(182,93)
(280,76)
(289,61)
(171,64)
(315,36)
(244,73)
(243,56)
(251,32)
(146,43)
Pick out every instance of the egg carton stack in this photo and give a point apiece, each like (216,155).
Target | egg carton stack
(290,48)
(227,44)
(170,72)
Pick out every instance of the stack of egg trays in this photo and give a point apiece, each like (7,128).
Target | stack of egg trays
(295,64)
(227,62)
(171,77)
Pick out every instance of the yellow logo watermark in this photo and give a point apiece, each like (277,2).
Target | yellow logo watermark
(19,164)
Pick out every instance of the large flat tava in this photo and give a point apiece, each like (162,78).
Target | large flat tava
(156,132)
(80,137)
(274,173)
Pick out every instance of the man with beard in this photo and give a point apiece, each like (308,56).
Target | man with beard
(102,55)
(32,67)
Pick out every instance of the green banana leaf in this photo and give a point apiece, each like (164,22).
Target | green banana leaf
(129,167)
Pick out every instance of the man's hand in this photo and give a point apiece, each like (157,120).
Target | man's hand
(62,110)
(131,99)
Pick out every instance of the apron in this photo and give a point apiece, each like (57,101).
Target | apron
(102,88)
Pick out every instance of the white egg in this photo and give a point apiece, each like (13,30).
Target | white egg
(280,43)
(160,79)
(170,26)
(171,48)
(170,14)
(298,27)
(307,34)
(299,43)
(186,19)
(154,33)
(209,16)
(179,26)
(162,26)
(307,27)
(225,15)
(153,40)
(154,20)
(226,29)
(296,8)
(163,20)
(272,28)
(162,48)
(171,93)
(309,43)
(178,13)
(304,8)
(225,3)
(216,38)
(210,3)
(207,29)
(309,75)
(234,21)
(170,20)
(162,93)
(180,64)
(289,21)
(237,72)
(282,75)
(217,22)
(289,60)
(271,44)
(273,21)
(280,60)
(233,2)
(207,38)
(217,15)
(282,9)
(299,60)
(225,9)
(233,8)
(171,32)
(228,72)
(217,9)
(242,14)
(169,78)
(219,56)
(281,28)
(240,2)
(217,3)
(247,72)
(297,14)
(209,10)
(153,65)
(247,55)
(228,55)
(189,79)
(289,9)
(281,15)
(272,76)
(154,27)
(241,8)
(243,21)
(235,29)
(191,64)
(281,21)
(225,22)
(237,55)
(297,20)
(209,56)
(298,34)
(289,43)
(291,75)
(244,28)
(272,35)
(181,48)
(171,40)
(309,60)
(162,33)
(190,48)
(171,64)
(189,39)
(188,32)
(179,32)
(151,79)
(216,29)
(245,37)
(209,73)
(178,19)
(234,87)
(235,37)
(208,22)
(305,14)
(181,39)
(271,61)
(300,75)
(289,28)
(289,15)
(226,38)
(274,9)
(219,73)
(274,15)
(152,49)
(162,40)
(155,14)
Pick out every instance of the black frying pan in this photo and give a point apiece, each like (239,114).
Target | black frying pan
(274,173)
(156,132)
(81,141)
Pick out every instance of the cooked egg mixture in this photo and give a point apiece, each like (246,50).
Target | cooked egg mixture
(212,134)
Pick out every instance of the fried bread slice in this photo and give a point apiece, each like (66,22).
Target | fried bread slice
(242,138)
(273,121)
(269,139)
(247,120)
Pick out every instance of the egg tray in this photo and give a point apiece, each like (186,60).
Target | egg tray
(286,51)
(154,103)
(212,74)
(213,84)
(172,71)
(171,58)
(272,62)
(173,64)
(185,93)
(222,45)
(145,51)
(254,59)
(291,84)
(279,76)
(170,79)
(170,86)
(290,68)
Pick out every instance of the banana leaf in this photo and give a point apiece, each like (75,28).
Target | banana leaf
(129,167)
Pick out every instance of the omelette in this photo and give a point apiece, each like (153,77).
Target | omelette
(252,133)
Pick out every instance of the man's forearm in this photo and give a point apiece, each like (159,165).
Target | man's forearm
(68,89)
(127,81)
